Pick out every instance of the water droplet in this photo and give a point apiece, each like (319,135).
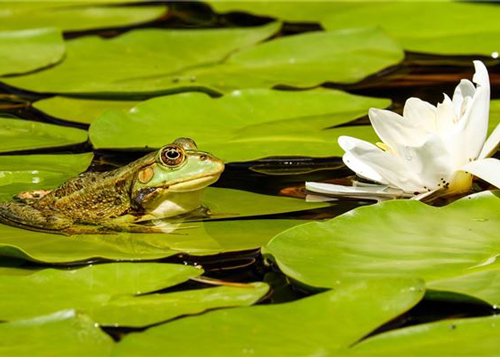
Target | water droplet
(494,54)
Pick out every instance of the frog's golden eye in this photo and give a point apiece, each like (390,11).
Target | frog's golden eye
(172,155)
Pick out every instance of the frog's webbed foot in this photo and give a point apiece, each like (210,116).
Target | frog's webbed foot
(23,215)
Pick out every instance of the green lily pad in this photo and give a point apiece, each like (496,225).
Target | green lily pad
(16,134)
(30,172)
(55,248)
(483,284)
(334,320)
(24,51)
(386,239)
(145,56)
(224,202)
(199,238)
(81,110)
(92,288)
(243,125)
(64,333)
(74,16)
(461,337)
(462,28)
(306,60)
(154,308)
(293,11)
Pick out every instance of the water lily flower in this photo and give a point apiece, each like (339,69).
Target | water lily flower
(429,151)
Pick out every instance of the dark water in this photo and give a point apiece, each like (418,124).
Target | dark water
(419,75)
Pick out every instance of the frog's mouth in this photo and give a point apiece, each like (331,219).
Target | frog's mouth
(194,184)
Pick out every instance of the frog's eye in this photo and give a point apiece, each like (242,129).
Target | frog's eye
(172,155)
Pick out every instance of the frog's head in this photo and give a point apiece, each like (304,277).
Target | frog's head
(170,181)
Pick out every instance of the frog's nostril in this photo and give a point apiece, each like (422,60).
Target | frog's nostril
(203,157)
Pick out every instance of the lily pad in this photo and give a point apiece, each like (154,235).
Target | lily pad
(199,238)
(243,125)
(74,16)
(154,308)
(80,110)
(334,320)
(92,288)
(293,11)
(64,333)
(462,28)
(144,63)
(16,134)
(55,248)
(459,337)
(483,284)
(228,203)
(304,60)
(30,172)
(386,240)
(24,51)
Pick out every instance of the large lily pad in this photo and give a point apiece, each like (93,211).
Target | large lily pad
(199,238)
(294,11)
(461,29)
(73,16)
(64,333)
(406,238)
(302,60)
(228,203)
(334,320)
(80,110)
(242,125)
(16,134)
(24,51)
(145,56)
(460,337)
(306,60)
(154,308)
(92,288)
(29,172)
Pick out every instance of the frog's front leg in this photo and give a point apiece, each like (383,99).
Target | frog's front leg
(128,223)
(23,215)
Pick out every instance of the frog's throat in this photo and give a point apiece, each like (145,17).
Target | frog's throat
(194,184)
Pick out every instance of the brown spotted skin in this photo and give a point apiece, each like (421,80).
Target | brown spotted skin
(90,198)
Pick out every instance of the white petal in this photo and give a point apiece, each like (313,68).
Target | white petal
(421,114)
(378,192)
(394,129)
(445,116)
(390,167)
(361,169)
(476,123)
(463,90)
(429,163)
(491,144)
(486,169)
(481,75)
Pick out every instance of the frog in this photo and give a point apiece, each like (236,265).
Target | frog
(167,183)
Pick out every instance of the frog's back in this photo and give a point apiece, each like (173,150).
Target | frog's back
(91,197)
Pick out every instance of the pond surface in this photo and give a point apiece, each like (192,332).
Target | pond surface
(259,195)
